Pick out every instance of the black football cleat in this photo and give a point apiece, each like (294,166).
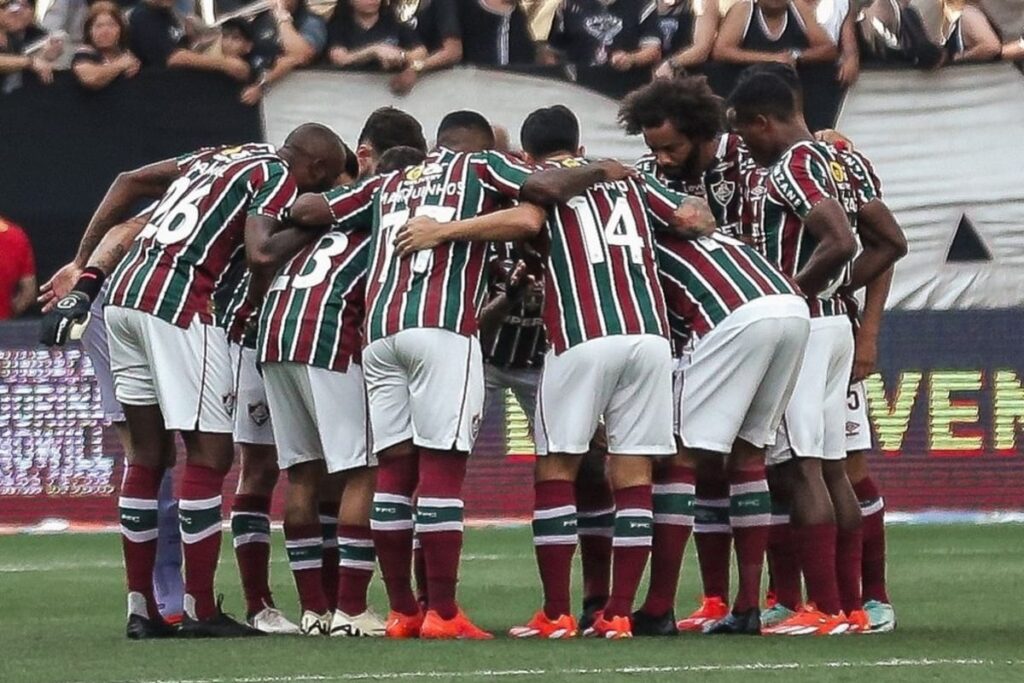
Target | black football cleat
(646,625)
(591,606)
(737,624)
(141,628)
(219,625)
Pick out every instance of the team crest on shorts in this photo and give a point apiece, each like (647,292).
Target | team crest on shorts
(259,413)
(723,191)
(229,402)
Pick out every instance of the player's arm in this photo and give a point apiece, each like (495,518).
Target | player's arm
(866,342)
(518,223)
(687,216)
(980,35)
(730,37)
(559,185)
(828,223)
(820,47)
(148,182)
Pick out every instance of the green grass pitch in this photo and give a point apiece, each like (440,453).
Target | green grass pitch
(957,591)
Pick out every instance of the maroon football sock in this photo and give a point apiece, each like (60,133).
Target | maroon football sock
(250,528)
(849,550)
(439,525)
(872,507)
(783,560)
(595,512)
(305,545)
(329,534)
(634,525)
(356,569)
(554,542)
(712,533)
(749,517)
(199,509)
(138,508)
(391,525)
(673,499)
(816,545)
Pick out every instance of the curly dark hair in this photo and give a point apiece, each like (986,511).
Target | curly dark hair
(688,103)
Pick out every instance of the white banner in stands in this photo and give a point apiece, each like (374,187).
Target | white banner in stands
(946,145)
(344,100)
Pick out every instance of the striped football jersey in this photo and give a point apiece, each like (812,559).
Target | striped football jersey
(196,231)
(807,173)
(442,287)
(708,278)
(313,313)
(602,276)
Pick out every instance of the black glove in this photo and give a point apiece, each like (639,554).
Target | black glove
(70,311)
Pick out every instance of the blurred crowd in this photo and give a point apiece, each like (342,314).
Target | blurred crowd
(259,43)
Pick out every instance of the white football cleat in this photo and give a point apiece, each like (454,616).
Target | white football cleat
(314,624)
(366,625)
(272,620)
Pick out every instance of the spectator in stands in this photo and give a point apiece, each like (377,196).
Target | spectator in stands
(967,33)
(105,57)
(67,17)
(17,271)
(159,40)
(772,31)
(237,39)
(495,33)
(622,34)
(839,20)
(363,34)
(289,36)
(688,29)
(19,35)
(437,24)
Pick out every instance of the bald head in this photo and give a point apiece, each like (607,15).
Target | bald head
(316,155)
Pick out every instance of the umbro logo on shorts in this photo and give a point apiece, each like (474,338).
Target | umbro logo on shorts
(852,429)
(259,413)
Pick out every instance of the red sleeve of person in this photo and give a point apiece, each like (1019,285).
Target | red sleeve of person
(16,263)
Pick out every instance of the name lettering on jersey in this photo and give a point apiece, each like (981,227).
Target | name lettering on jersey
(406,193)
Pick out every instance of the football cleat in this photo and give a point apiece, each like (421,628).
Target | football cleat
(540,626)
(736,624)
(140,626)
(858,621)
(403,626)
(591,606)
(774,615)
(881,616)
(220,625)
(808,621)
(314,624)
(712,609)
(458,627)
(365,625)
(646,625)
(616,628)
(273,621)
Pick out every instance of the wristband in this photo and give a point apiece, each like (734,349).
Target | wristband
(90,282)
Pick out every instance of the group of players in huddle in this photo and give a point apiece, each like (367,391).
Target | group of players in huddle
(320,307)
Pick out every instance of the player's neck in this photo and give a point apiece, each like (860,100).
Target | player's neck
(793,132)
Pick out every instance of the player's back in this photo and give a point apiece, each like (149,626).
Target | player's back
(196,230)
(313,313)
(602,275)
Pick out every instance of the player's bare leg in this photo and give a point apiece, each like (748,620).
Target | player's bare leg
(595,525)
(712,536)
(439,527)
(872,507)
(150,453)
(786,584)
(352,616)
(391,524)
(554,543)
(673,502)
(849,541)
(331,487)
(250,530)
(749,517)
(304,543)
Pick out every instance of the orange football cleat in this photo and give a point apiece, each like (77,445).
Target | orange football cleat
(403,626)
(809,621)
(458,627)
(540,626)
(859,622)
(615,628)
(711,609)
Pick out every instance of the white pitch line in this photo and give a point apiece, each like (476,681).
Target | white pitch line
(519,673)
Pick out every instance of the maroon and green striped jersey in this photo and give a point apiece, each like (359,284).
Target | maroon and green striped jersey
(722,185)
(197,230)
(602,275)
(808,173)
(708,278)
(313,313)
(442,287)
